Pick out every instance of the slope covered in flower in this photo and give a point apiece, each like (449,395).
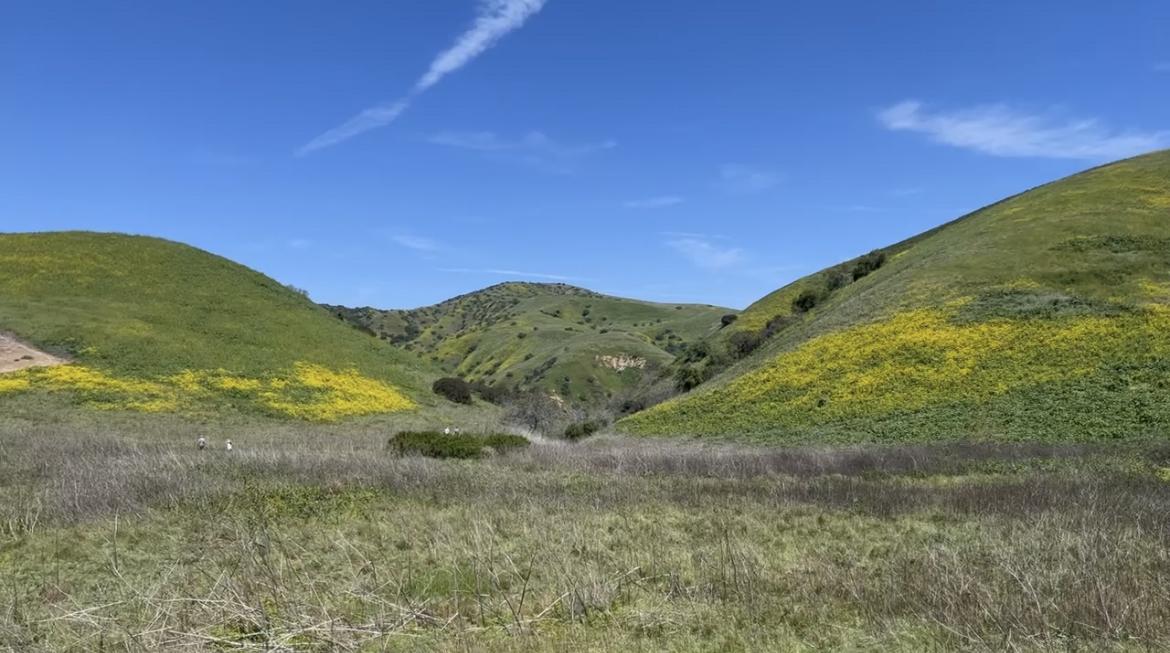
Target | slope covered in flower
(156,326)
(1045,315)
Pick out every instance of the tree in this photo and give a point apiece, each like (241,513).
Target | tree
(535,410)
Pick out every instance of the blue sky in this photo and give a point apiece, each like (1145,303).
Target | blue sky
(396,153)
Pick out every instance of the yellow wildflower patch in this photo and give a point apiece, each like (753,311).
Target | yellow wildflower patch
(918,358)
(318,393)
(13,383)
(101,390)
(312,392)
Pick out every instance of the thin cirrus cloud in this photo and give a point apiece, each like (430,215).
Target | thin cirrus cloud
(417,243)
(658,202)
(1001,130)
(1162,67)
(496,19)
(535,147)
(705,254)
(740,179)
(518,274)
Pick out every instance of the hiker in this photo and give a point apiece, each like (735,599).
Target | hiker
(201,443)
(228,445)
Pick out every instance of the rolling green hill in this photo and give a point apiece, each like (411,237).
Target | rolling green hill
(1046,315)
(157,326)
(581,345)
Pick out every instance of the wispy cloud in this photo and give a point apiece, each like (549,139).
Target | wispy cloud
(495,20)
(1001,130)
(1162,67)
(534,148)
(371,118)
(706,254)
(858,208)
(691,234)
(299,243)
(518,274)
(909,191)
(741,179)
(659,202)
(417,243)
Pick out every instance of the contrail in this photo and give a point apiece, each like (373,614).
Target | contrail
(495,20)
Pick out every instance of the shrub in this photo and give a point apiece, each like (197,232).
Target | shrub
(434,444)
(454,389)
(493,394)
(836,280)
(688,378)
(696,351)
(728,320)
(745,342)
(579,430)
(868,263)
(775,325)
(806,300)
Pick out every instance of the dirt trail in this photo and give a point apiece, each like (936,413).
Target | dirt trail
(18,356)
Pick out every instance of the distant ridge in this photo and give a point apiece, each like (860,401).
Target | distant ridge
(575,343)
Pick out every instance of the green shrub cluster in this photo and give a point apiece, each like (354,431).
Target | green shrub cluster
(868,263)
(454,389)
(463,446)
(579,430)
(493,394)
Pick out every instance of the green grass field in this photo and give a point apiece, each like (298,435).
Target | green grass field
(581,345)
(314,538)
(158,326)
(1042,316)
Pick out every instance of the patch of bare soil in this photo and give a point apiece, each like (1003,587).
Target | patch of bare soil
(15,355)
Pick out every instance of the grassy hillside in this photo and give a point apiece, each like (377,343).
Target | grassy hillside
(1045,315)
(157,326)
(579,344)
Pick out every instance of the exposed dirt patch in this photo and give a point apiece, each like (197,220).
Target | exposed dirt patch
(15,355)
(621,362)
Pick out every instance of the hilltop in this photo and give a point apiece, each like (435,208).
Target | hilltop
(157,326)
(1046,315)
(581,345)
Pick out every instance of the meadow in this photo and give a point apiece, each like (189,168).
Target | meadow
(318,538)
